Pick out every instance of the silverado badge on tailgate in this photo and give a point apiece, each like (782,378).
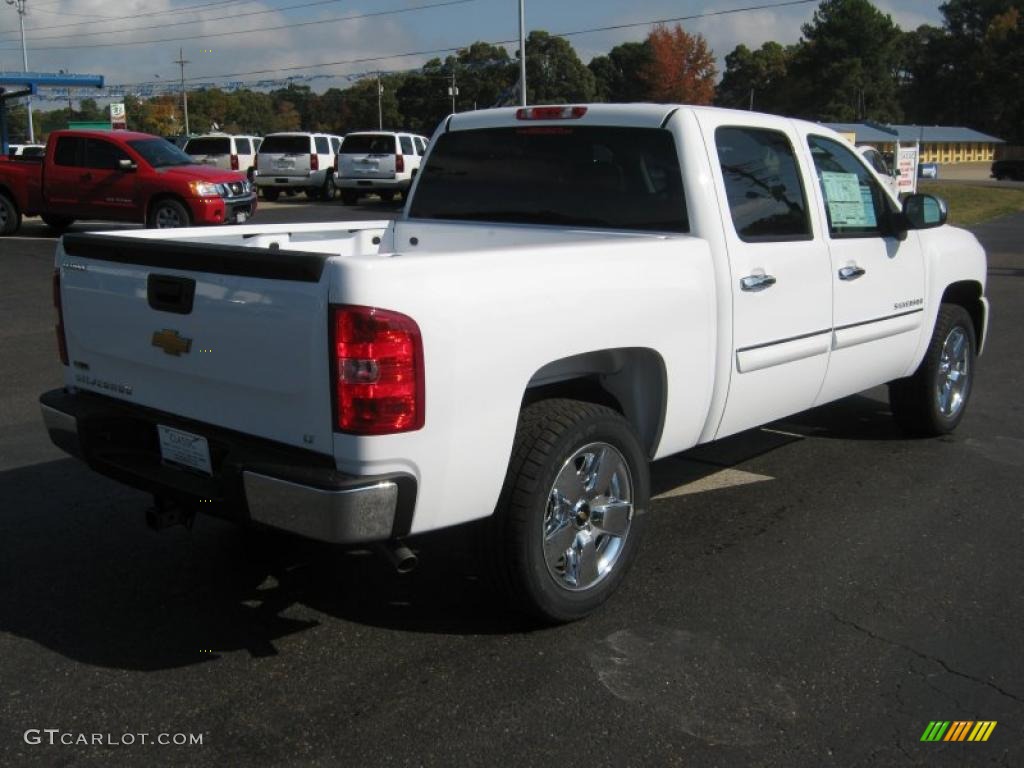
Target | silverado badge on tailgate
(171,342)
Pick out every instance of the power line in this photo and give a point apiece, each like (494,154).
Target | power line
(435,51)
(237,33)
(183,23)
(218,4)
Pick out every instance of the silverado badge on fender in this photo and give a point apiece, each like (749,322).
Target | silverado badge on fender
(171,342)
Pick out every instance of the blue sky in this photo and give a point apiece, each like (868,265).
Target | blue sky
(229,37)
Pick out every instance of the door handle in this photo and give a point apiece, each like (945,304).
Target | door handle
(756,282)
(851,273)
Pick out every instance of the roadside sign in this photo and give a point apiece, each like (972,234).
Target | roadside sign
(906,164)
(118,118)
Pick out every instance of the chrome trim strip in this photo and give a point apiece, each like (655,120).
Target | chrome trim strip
(879,319)
(349,516)
(784,341)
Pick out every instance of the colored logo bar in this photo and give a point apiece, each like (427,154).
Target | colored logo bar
(958,730)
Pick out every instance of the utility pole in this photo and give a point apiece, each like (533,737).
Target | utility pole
(453,90)
(522,53)
(181,61)
(751,107)
(19,5)
(380,104)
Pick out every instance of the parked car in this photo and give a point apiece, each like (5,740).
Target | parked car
(874,158)
(294,161)
(1008,169)
(222,150)
(384,162)
(571,292)
(26,150)
(119,176)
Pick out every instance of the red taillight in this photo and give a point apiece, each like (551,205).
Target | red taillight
(62,344)
(399,163)
(378,371)
(336,160)
(314,162)
(550,113)
(234,162)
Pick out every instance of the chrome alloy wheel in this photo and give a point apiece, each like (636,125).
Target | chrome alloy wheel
(167,217)
(588,517)
(953,376)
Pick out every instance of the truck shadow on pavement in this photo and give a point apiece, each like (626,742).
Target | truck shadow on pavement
(81,575)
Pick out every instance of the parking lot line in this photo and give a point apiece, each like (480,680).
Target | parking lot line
(724,478)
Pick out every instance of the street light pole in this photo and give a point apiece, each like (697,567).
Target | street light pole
(380,104)
(181,61)
(522,52)
(19,5)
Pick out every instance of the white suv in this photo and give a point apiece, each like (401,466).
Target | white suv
(297,161)
(222,150)
(378,161)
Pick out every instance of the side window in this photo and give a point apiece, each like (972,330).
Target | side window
(854,201)
(875,158)
(406,145)
(335,145)
(323,147)
(68,151)
(243,147)
(421,145)
(762,184)
(103,155)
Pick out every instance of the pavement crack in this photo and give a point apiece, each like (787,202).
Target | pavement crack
(927,657)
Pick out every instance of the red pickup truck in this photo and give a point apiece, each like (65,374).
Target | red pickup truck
(119,176)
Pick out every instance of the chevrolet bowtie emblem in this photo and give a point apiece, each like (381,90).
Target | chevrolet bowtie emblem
(171,343)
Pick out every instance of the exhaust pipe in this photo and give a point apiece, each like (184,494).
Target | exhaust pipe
(402,558)
(166,513)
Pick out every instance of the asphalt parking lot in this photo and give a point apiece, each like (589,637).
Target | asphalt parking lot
(809,594)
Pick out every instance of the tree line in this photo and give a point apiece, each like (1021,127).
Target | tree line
(851,63)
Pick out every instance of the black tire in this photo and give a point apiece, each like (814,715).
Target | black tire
(349,197)
(10,216)
(930,402)
(387,197)
(168,213)
(557,443)
(58,223)
(270,194)
(330,189)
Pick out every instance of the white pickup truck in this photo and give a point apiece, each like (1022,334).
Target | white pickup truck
(569,293)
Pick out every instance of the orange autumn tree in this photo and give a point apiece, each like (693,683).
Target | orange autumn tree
(682,67)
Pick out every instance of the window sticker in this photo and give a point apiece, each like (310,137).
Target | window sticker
(848,204)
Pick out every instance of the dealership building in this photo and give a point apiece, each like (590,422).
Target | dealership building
(939,143)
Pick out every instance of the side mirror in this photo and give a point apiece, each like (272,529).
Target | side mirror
(924,211)
(126,165)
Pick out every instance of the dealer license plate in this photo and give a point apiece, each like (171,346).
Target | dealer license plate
(185,449)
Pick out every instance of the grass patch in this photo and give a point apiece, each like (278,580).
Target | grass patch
(969,204)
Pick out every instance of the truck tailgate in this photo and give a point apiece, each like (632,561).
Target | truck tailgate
(233,336)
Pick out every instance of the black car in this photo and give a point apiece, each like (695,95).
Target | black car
(1008,169)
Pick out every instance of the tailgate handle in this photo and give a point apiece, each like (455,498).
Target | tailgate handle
(167,293)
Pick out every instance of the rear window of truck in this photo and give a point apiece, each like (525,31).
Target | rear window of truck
(614,178)
(213,146)
(285,145)
(369,144)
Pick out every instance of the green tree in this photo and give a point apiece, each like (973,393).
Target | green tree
(971,71)
(619,76)
(846,65)
(756,79)
(554,73)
